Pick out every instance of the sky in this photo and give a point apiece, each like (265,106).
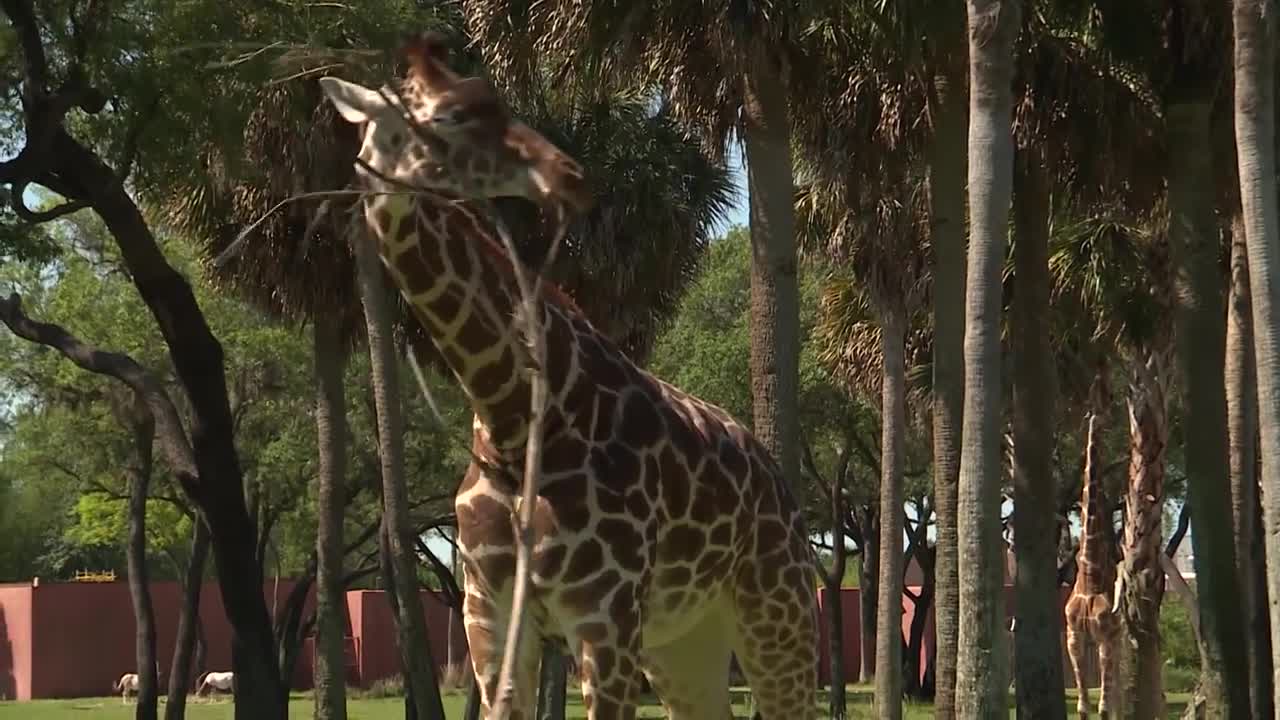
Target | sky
(737,215)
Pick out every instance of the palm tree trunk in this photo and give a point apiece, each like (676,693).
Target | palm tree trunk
(775,293)
(888,696)
(1039,678)
(980,674)
(1242,431)
(1254,23)
(330,671)
(414,650)
(838,705)
(139,584)
(1200,320)
(947,161)
(1142,575)
(184,660)
(868,594)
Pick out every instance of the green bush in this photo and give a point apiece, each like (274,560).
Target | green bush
(1177,639)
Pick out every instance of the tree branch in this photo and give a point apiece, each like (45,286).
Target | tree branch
(169,428)
(26,214)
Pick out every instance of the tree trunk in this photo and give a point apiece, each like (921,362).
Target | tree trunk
(775,294)
(198,361)
(1141,572)
(1254,23)
(414,650)
(184,651)
(947,167)
(888,695)
(868,594)
(1039,680)
(1242,435)
(292,626)
(981,683)
(330,671)
(1200,321)
(139,584)
(553,683)
(838,705)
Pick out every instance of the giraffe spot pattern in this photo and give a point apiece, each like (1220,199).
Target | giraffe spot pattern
(660,490)
(487,380)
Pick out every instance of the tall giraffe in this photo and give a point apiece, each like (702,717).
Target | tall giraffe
(665,537)
(1090,610)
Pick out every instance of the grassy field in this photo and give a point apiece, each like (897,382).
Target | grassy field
(392,708)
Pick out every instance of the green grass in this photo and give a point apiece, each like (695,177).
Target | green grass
(392,708)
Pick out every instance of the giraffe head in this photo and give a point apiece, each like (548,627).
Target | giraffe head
(437,131)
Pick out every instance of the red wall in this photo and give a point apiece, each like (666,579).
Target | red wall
(70,619)
(76,639)
(374,632)
(15,642)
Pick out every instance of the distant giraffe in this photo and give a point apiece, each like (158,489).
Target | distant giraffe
(1090,610)
(666,538)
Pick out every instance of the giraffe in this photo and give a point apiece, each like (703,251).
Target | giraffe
(666,539)
(1091,606)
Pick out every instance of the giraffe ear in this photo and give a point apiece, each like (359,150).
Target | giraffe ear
(355,103)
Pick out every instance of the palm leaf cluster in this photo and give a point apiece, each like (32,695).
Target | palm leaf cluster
(1061,76)
(696,51)
(658,198)
(847,337)
(1110,276)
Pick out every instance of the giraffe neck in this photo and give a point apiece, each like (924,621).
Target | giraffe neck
(1095,571)
(462,288)
(463,291)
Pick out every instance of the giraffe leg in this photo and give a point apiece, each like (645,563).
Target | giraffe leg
(486,628)
(691,674)
(1076,649)
(610,666)
(1107,657)
(776,638)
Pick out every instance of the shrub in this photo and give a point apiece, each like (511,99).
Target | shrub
(386,687)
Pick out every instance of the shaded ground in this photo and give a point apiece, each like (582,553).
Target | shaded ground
(300,708)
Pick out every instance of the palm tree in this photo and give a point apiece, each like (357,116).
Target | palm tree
(331,429)
(1254,25)
(1242,436)
(980,687)
(1180,46)
(1200,319)
(725,69)
(1038,640)
(947,168)
(1117,274)
(883,243)
(895,62)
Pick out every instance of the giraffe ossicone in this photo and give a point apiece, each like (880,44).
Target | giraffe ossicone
(665,537)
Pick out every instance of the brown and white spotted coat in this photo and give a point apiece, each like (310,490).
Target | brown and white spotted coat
(1090,610)
(666,538)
